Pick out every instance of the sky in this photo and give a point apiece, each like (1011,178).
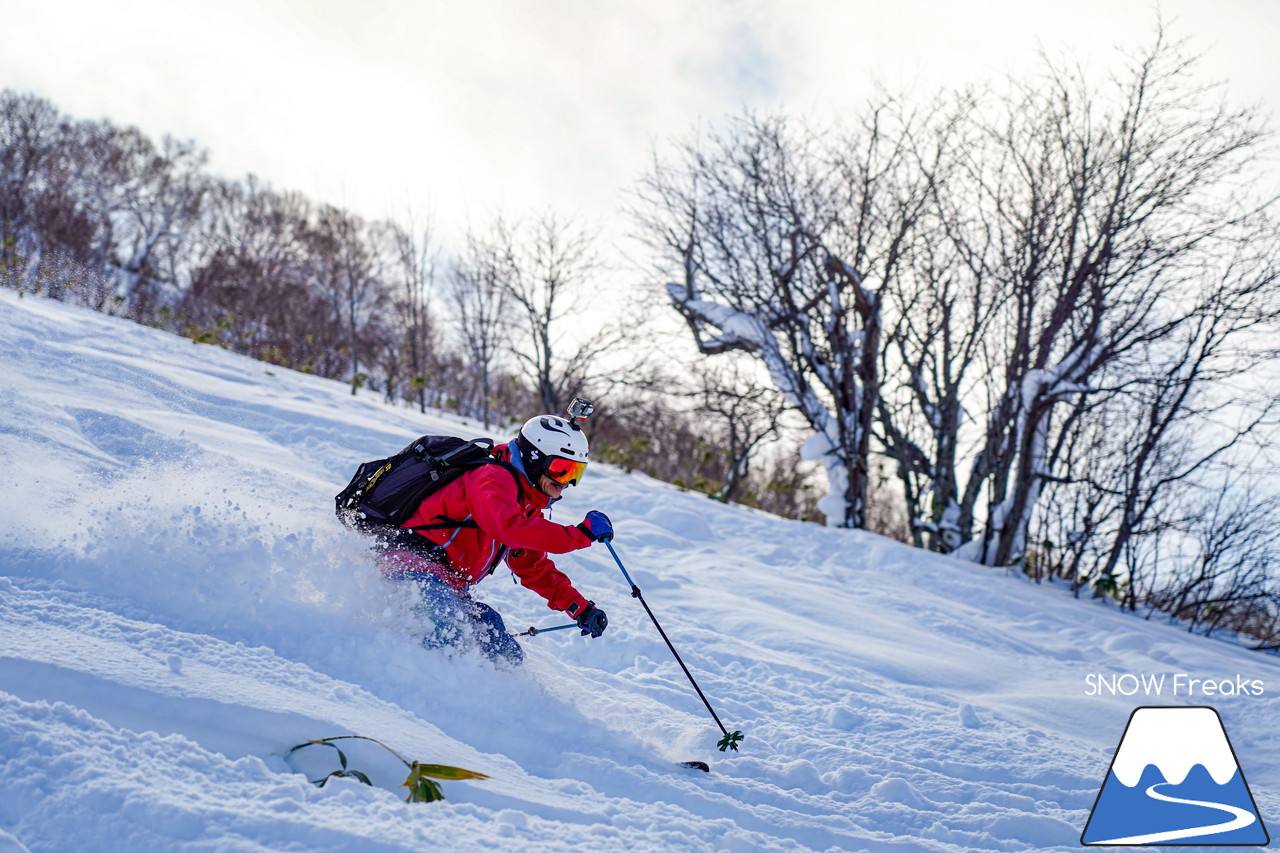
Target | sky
(456,111)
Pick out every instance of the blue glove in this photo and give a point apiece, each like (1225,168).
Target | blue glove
(597,527)
(592,620)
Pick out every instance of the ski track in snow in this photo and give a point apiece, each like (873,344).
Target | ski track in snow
(178,607)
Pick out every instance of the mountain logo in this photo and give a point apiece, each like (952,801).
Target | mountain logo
(1175,780)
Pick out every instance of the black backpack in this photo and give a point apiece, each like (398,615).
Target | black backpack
(384,493)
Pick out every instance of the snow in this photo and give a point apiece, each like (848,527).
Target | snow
(179,607)
(736,327)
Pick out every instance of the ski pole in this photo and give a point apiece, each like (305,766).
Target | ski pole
(730,740)
(533,632)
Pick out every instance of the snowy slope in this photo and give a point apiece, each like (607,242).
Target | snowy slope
(178,607)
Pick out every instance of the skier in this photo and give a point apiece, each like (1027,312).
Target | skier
(495,513)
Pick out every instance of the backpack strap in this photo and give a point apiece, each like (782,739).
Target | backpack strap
(446,523)
(517,476)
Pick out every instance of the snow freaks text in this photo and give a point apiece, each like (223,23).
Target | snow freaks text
(1170,684)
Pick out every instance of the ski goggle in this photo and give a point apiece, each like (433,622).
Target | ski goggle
(566,472)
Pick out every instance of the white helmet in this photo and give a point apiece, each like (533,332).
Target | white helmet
(551,437)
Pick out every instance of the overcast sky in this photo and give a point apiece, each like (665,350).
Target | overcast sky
(469,107)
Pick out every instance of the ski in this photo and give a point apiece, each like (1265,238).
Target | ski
(697,765)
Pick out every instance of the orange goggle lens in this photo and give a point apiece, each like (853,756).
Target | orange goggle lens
(566,472)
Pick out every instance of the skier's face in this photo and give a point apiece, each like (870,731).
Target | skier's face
(550,487)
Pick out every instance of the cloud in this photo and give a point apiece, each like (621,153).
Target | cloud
(465,108)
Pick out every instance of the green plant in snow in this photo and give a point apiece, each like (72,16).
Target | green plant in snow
(420,782)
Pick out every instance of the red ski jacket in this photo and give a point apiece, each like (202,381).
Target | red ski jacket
(507,510)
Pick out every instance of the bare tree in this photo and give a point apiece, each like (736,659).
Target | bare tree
(1227,567)
(483,310)
(48,233)
(940,315)
(144,199)
(773,236)
(747,414)
(1183,423)
(1099,218)
(418,260)
(252,286)
(156,219)
(29,136)
(348,270)
(550,270)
